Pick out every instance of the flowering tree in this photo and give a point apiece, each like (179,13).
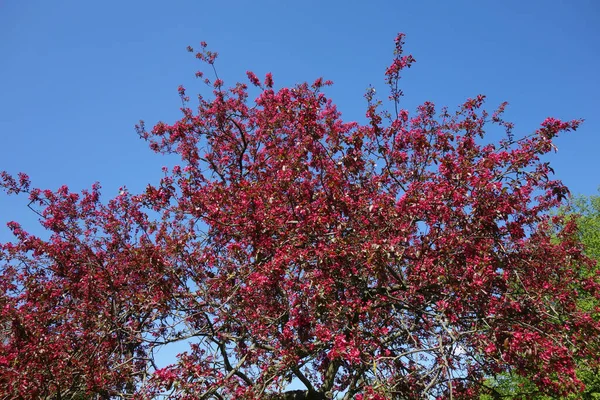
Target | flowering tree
(411,257)
(587,212)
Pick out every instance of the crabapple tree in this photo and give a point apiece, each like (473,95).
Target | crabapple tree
(413,256)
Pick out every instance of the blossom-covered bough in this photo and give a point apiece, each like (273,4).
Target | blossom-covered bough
(407,258)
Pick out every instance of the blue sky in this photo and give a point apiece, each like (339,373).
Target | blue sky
(76,76)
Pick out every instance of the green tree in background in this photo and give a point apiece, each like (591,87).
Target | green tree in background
(589,223)
(586,209)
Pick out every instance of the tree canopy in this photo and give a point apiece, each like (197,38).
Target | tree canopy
(413,256)
(586,211)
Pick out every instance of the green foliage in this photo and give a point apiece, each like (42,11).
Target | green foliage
(588,221)
(512,386)
(587,211)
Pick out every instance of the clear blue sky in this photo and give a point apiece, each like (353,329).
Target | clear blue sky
(76,76)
